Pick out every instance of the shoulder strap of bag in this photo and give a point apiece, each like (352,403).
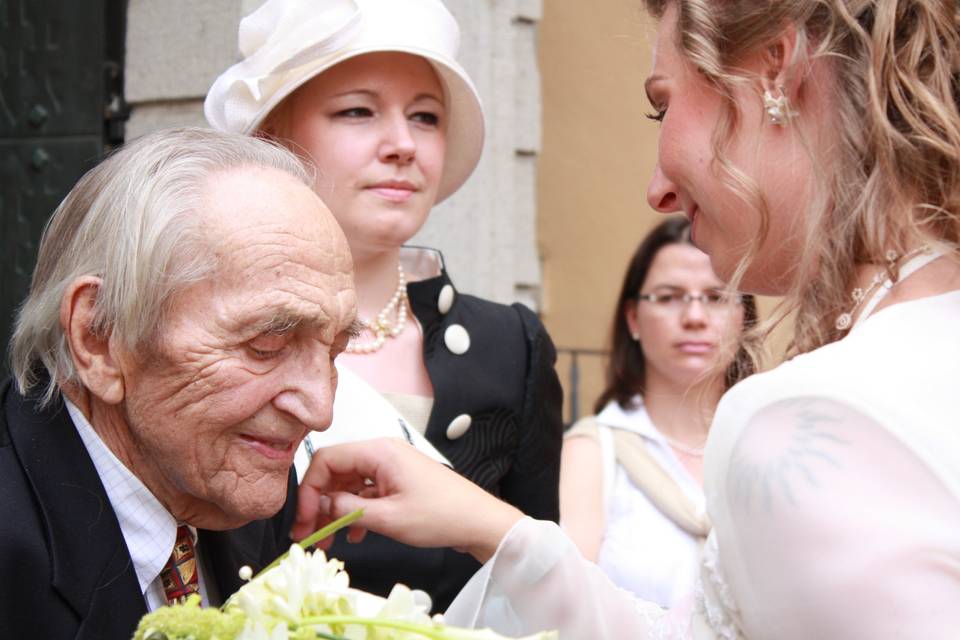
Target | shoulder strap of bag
(663,491)
(628,449)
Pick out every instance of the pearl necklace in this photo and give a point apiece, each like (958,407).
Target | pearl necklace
(693,452)
(382,328)
(904,266)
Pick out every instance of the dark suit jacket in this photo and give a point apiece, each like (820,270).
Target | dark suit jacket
(507,384)
(64,567)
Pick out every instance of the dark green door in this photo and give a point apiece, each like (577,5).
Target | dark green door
(60,108)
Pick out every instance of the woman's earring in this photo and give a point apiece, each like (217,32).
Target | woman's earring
(778,109)
(636,336)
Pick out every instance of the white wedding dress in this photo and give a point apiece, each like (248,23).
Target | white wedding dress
(833,484)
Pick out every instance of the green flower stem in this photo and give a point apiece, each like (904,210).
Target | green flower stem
(317,536)
(412,627)
(432,631)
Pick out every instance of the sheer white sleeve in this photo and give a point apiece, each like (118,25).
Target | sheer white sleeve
(834,527)
(828,524)
(538,581)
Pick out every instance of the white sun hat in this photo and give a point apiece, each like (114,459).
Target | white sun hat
(285,43)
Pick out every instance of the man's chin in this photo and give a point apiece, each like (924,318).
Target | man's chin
(239,509)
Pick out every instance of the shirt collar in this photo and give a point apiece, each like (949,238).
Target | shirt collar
(149,530)
(421,263)
(635,419)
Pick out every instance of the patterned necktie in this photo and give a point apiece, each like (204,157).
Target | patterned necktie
(179,576)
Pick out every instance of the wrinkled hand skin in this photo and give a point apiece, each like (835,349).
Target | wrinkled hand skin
(404,494)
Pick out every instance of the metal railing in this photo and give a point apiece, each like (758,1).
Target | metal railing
(573,376)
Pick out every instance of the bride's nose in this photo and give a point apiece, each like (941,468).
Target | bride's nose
(662,194)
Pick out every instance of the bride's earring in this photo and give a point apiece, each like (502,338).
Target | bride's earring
(778,108)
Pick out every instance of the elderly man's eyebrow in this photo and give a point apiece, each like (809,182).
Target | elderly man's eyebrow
(284,321)
(355,330)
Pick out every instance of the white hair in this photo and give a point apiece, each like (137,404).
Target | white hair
(134,222)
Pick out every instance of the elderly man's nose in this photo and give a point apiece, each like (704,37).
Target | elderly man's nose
(662,194)
(308,392)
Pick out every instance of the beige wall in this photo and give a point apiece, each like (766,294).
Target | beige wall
(598,152)
(597,155)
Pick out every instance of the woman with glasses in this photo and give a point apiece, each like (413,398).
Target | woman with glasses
(638,464)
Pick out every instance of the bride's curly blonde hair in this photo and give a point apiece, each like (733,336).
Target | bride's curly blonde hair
(893,179)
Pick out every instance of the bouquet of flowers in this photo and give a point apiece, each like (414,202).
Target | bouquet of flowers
(305,596)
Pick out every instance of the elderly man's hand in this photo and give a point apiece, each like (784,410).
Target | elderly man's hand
(404,495)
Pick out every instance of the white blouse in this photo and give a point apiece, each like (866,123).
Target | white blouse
(833,484)
(642,550)
(360,412)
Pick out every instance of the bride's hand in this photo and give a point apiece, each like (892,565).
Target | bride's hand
(404,494)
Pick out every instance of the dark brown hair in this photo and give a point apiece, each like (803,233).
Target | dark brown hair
(626,369)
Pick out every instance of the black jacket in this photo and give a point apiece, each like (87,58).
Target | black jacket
(64,567)
(507,384)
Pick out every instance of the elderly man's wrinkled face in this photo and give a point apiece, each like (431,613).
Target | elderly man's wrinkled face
(244,366)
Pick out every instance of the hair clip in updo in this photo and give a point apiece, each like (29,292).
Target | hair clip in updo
(778,108)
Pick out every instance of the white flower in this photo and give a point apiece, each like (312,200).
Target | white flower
(406,604)
(302,585)
(305,593)
(256,631)
(306,590)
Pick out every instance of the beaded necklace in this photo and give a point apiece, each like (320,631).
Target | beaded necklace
(884,280)
(382,327)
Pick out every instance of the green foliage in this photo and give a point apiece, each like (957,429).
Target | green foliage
(188,621)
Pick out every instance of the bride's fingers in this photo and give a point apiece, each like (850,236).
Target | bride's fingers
(313,512)
(356,534)
(349,467)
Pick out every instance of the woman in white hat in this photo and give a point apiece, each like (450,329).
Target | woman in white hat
(370,92)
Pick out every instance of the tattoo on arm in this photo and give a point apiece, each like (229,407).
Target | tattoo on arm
(784,452)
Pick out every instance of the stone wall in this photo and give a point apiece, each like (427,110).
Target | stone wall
(487,230)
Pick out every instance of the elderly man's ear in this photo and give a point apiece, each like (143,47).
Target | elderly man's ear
(94,356)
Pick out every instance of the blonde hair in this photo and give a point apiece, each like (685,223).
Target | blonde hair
(894,179)
(135,222)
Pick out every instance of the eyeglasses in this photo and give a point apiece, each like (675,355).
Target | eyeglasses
(679,300)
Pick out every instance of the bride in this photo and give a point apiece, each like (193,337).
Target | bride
(815,147)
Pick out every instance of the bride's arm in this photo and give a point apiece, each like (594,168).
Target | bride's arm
(535,578)
(839,530)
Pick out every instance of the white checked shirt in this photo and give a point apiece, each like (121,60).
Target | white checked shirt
(148,528)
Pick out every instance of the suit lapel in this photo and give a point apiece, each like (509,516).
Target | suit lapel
(226,551)
(91,569)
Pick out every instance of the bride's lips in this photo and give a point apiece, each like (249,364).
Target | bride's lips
(394,190)
(271,448)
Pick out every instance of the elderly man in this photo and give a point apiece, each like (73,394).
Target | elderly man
(177,344)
